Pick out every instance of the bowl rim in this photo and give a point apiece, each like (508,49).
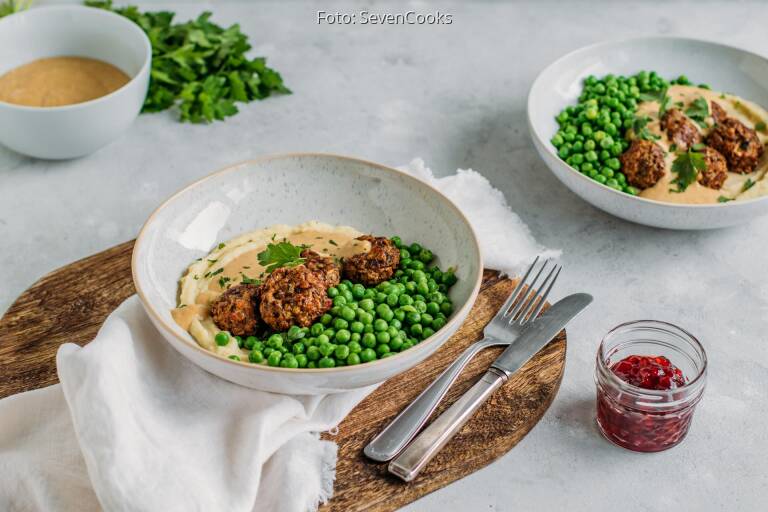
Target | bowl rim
(538,137)
(461,312)
(131,26)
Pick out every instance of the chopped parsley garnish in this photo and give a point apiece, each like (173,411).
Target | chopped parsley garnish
(216,272)
(223,281)
(687,167)
(283,254)
(333,242)
(212,261)
(222,245)
(672,148)
(723,199)
(640,128)
(698,111)
(760,126)
(198,65)
(248,280)
(748,185)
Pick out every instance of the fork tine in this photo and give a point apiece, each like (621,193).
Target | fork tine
(531,302)
(513,314)
(546,294)
(513,296)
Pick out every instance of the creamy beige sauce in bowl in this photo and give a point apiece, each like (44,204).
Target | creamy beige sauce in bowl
(235,260)
(752,115)
(59,81)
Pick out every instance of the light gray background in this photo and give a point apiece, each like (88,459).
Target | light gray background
(455,95)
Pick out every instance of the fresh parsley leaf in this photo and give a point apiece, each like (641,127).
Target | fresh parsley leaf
(747,185)
(223,281)
(221,246)
(698,146)
(760,126)
(723,199)
(215,272)
(698,111)
(282,254)
(672,147)
(687,167)
(199,66)
(640,128)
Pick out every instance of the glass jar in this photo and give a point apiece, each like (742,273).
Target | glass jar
(648,420)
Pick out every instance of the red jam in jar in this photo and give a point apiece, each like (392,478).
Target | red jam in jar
(645,402)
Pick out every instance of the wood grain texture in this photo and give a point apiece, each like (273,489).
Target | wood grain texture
(71,303)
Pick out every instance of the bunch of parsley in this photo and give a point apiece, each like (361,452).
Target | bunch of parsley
(12,6)
(199,65)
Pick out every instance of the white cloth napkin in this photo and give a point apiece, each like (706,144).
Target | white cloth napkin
(134,426)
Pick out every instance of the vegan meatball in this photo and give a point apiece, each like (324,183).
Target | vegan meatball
(680,130)
(325,267)
(374,266)
(235,310)
(293,296)
(737,143)
(718,113)
(716,172)
(643,163)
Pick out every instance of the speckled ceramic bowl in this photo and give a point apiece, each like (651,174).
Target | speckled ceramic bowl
(291,189)
(723,67)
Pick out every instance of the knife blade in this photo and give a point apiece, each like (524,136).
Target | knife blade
(533,338)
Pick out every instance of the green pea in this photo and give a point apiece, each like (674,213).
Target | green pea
(393,299)
(426,318)
(274,358)
(387,315)
(417,330)
(313,353)
(383,337)
(368,327)
(416,265)
(341,352)
(427,332)
(438,323)
(255,356)
(343,286)
(382,349)
(406,345)
(326,362)
(367,355)
(326,319)
(340,323)
(397,241)
(340,301)
(295,333)
(366,319)
(380,325)
(289,363)
(358,291)
(405,300)
(333,292)
(222,338)
(275,341)
(342,336)
(356,327)
(355,336)
(413,317)
(607,172)
(396,343)
(298,348)
(301,360)
(380,297)
(449,278)
(353,359)
(369,340)
(323,338)
(446,308)
(354,347)
(312,364)
(367,305)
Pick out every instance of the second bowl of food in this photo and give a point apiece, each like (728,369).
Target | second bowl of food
(663,131)
(307,273)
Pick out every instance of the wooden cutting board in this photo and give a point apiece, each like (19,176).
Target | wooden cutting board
(70,304)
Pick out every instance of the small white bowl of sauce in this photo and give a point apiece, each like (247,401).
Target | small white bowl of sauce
(72,79)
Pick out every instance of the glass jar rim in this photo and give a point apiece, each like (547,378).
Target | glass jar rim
(657,394)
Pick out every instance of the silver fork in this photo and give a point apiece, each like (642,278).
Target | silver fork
(503,329)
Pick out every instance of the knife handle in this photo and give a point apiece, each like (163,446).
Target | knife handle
(432,439)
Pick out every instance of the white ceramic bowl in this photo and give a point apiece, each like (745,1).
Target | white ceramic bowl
(722,67)
(73,130)
(291,189)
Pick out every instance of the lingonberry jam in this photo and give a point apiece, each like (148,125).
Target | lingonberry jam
(646,402)
(649,372)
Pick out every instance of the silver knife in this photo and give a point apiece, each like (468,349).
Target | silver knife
(533,338)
